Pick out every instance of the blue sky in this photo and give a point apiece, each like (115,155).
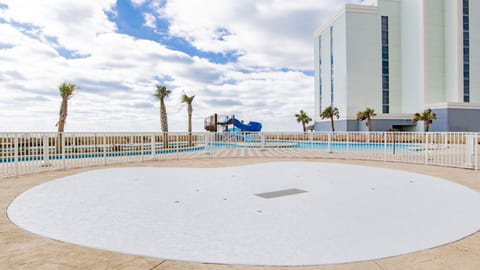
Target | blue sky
(130,20)
(250,58)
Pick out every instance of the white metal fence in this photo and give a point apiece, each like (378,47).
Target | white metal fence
(25,153)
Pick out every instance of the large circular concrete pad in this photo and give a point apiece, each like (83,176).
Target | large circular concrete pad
(286,213)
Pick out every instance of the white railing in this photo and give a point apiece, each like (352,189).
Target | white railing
(25,153)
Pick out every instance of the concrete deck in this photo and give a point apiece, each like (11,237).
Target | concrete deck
(23,250)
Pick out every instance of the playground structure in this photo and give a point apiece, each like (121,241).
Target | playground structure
(213,122)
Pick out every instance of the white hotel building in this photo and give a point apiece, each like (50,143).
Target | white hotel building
(400,57)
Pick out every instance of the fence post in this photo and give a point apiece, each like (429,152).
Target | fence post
(471,147)
(142,142)
(310,138)
(213,139)
(477,137)
(177,147)
(426,148)
(385,146)
(152,146)
(348,145)
(242,135)
(206,139)
(278,143)
(104,142)
(46,151)
(131,147)
(262,140)
(329,143)
(64,164)
(15,148)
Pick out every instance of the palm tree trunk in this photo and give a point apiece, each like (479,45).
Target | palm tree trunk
(369,124)
(165,140)
(163,117)
(62,116)
(58,145)
(333,126)
(190,124)
(164,123)
(426,125)
(61,124)
(304,128)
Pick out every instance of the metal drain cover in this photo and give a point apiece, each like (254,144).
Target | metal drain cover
(280,193)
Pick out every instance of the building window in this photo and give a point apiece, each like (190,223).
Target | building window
(385,67)
(331,66)
(466,51)
(320,72)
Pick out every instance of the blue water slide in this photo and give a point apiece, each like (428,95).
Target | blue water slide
(251,126)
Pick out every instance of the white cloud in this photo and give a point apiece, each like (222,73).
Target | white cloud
(138,2)
(74,23)
(269,33)
(117,73)
(149,20)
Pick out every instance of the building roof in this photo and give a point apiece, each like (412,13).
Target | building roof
(362,8)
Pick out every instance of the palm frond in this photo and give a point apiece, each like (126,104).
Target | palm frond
(330,112)
(187,99)
(161,92)
(66,90)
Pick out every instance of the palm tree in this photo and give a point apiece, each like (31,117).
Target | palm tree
(303,118)
(367,114)
(161,93)
(188,100)
(330,112)
(66,92)
(426,116)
